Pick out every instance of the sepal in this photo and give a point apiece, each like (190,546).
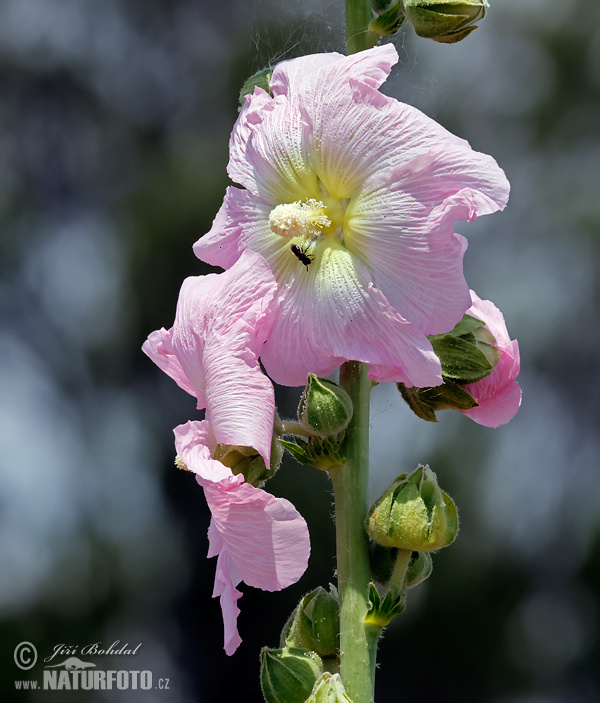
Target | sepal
(323,454)
(389,21)
(425,402)
(260,79)
(382,612)
(466,353)
(329,689)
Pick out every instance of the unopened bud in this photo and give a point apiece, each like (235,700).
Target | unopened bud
(446,21)
(288,675)
(414,514)
(325,409)
(315,623)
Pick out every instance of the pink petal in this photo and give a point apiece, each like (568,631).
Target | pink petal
(309,74)
(212,351)
(266,538)
(403,222)
(226,581)
(335,314)
(241,223)
(498,395)
(158,347)
(195,444)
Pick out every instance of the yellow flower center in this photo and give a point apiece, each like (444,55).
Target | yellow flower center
(299,219)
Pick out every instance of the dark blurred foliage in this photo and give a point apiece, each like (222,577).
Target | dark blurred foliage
(114,122)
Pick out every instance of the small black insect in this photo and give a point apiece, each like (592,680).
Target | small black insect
(301,254)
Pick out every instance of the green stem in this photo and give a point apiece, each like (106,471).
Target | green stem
(350,487)
(290,427)
(396,582)
(358,36)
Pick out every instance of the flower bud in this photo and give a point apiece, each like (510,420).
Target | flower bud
(315,623)
(446,21)
(325,408)
(329,689)
(414,513)
(260,79)
(288,675)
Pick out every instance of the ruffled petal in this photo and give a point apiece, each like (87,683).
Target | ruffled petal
(255,107)
(241,223)
(221,323)
(266,537)
(308,75)
(277,150)
(195,444)
(226,580)
(334,314)
(403,223)
(158,347)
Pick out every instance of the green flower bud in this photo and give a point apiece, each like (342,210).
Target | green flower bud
(446,21)
(414,514)
(467,354)
(315,623)
(329,689)
(260,79)
(325,408)
(288,675)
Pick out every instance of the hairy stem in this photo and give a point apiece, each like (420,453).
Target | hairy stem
(350,486)
(358,36)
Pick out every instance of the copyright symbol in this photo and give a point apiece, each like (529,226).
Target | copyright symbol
(25,655)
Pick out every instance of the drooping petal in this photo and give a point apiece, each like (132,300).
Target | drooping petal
(334,314)
(226,580)
(259,538)
(158,347)
(221,323)
(266,537)
(498,395)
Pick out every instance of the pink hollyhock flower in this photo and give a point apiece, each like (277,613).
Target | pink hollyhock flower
(498,395)
(351,197)
(259,539)
(212,350)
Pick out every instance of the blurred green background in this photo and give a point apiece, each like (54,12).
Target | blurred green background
(114,122)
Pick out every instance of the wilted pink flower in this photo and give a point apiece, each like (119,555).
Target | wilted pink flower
(212,350)
(498,395)
(258,538)
(351,197)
